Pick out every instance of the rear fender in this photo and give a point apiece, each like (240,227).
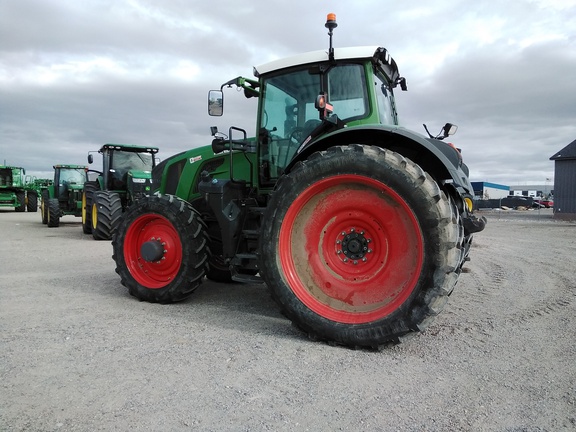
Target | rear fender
(439,159)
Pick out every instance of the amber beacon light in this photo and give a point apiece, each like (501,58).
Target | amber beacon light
(331,21)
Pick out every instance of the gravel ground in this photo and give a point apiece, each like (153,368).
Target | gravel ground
(77,353)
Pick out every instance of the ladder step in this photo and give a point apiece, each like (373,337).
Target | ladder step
(251,234)
(259,210)
(247,256)
(246,278)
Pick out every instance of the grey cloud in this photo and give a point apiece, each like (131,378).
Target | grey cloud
(513,105)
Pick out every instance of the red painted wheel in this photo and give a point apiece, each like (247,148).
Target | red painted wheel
(348,261)
(359,246)
(153,229)
(160,249)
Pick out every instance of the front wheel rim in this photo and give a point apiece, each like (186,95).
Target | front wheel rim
(351,249)
(156,274)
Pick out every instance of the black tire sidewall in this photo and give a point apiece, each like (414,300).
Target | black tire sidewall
(340,161)
(88,192)
(109,211)
(193,238)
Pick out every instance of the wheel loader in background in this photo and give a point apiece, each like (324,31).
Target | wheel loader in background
(358,227)
(16,191)
(125,177)
(64,195)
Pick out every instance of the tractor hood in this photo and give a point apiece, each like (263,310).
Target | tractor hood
(140,174)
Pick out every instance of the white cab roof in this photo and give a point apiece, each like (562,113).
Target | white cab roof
(316,56)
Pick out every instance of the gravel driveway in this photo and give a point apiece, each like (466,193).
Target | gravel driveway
(77,353)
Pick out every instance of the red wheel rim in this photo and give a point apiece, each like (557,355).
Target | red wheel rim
(157,274)
(351,249)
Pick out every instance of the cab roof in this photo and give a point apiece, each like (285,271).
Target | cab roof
(68,166)
(347,53)
(130,147)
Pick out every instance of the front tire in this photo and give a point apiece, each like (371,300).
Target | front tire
(20,201)
(359,246)
(161,249)
(87,193)
(106,214)
(32,202)
(53,213)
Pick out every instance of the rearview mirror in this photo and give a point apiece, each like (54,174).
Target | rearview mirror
(450,129)
(215,103)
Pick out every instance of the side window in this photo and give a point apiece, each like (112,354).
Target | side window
(280,111)
(385,101)
(347,91)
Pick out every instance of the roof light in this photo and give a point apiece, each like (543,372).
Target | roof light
(331,20)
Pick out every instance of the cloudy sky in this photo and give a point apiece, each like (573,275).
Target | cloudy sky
(77,74)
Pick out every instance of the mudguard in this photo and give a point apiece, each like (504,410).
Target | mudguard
(438,158)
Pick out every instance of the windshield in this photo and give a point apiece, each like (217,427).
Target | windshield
(288,114)
(122,162)
(125,161)
(72,176)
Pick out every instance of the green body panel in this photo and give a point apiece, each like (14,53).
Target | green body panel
(140,174)
(190,164)
(8,198)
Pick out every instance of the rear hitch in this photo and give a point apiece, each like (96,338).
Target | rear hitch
(472,224)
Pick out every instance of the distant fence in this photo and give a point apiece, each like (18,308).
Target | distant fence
(511,201)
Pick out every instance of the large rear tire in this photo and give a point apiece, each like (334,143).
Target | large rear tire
(106,214)
(53,213)
(89,189)
(161,249)
(32,202)
(359,246)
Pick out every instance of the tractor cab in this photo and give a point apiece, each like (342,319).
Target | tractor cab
(305,97)
(122,163)
(69,181)
(125,177)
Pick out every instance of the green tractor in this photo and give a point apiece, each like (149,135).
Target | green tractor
(15,191)
(126,176)
(40,184)
(63,196)
(358,227)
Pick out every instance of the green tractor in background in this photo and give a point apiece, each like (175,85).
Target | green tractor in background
(64,195)
(359,227)
(16,191)
(40,184)
(126,176)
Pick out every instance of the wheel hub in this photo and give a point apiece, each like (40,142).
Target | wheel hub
(352,246)
(152,250)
